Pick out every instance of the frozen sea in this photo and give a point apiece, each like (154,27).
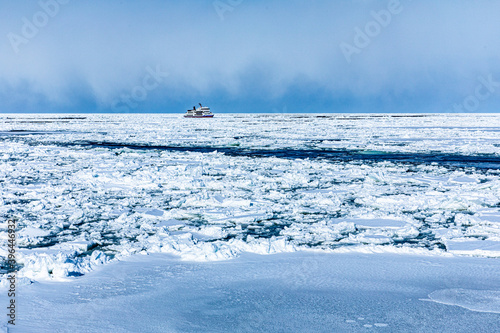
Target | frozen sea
(92,190)
(88,189)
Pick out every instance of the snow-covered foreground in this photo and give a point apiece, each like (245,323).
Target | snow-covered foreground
(90,189)
(294,292)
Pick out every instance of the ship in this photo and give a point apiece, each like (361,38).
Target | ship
(201,112)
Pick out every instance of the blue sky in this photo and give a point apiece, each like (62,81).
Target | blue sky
(250,56)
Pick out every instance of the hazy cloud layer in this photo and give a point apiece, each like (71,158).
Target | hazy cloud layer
(242,55)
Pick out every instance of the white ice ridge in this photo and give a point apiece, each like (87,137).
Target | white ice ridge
(474,300)
(81,206)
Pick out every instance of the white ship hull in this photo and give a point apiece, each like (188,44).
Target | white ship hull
(201,112)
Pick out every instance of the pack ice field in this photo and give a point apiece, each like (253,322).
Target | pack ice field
(89,189)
